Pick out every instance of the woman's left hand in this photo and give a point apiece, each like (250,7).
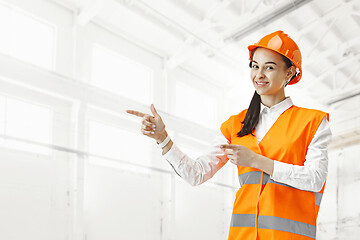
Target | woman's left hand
(239,155)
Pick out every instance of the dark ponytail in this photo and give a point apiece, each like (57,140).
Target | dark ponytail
(251,117)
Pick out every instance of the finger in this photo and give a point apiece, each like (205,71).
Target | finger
(217,153)
(147,128)
(147,123)
(229,146)
(149,118)
(219,146)
(147,133)
(136,113)
(229,151)
(153,110)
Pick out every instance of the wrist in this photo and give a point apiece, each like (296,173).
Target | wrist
(162,136)
(258,161)
(263,163)
(255,161)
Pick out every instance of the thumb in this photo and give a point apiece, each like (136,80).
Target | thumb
(153,110)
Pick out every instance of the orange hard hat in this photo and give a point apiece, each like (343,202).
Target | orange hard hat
(281,43)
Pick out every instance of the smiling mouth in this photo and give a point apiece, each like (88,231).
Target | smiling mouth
(261,84)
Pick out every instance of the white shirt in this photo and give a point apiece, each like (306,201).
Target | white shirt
(310,177)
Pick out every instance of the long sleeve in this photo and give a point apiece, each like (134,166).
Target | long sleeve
(312,175)
(204,167)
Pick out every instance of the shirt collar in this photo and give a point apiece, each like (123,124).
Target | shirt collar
(279,108)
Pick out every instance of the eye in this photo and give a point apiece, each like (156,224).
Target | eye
(254,66)
(269,67)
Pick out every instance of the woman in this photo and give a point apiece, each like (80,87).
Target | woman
(280,150)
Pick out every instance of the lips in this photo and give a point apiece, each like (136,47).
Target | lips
(261,83)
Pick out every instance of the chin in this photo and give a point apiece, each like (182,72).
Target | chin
(260,92)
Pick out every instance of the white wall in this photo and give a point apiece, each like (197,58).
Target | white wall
(72,194)
(339,211)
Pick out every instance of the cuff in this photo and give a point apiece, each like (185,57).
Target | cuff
(174,155)
(281,171)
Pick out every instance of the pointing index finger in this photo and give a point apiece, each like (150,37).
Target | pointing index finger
(136,113)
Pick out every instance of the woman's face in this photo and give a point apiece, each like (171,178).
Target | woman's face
(269,72)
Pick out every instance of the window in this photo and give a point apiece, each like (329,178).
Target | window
(113,142)
(4,29)
(25,121)
(115,73)
(26,38)
(195,105)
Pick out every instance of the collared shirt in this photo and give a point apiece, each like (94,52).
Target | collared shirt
(310,177)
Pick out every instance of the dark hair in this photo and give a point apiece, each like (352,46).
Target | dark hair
(253,113)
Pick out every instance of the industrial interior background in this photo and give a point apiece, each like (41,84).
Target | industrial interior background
(75,166)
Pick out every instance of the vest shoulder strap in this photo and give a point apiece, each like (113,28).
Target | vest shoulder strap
(311,113)
(234,120)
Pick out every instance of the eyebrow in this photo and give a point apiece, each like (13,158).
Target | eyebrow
(265,63)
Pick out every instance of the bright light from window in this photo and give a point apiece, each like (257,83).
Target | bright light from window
(195,105)
(4,29)
(115,73)
(113,142)
(26,38)
(2,117)
(27,121)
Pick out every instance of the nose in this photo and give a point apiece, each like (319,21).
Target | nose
(260,74)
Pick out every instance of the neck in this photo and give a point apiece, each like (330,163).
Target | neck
(271,100)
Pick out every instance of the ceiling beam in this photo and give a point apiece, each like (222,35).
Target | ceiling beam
(185,51)
(320,39)
(66,4)
(331,70)
(337,96)
(340,11)
(350,78)
(257,23)
(339,51)
(151,9)
(341,48)
(340,99)
(89,10)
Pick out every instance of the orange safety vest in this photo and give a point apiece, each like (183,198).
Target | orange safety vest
(265,209)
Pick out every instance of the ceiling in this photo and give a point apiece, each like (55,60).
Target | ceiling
(210,37)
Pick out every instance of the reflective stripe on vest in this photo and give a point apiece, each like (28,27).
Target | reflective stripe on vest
(252,178)
(274,223)
(318,197)
(255,176)
(243,220)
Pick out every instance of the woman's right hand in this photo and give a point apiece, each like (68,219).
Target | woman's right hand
(151,126)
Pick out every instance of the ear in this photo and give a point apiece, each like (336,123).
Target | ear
(291,72)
